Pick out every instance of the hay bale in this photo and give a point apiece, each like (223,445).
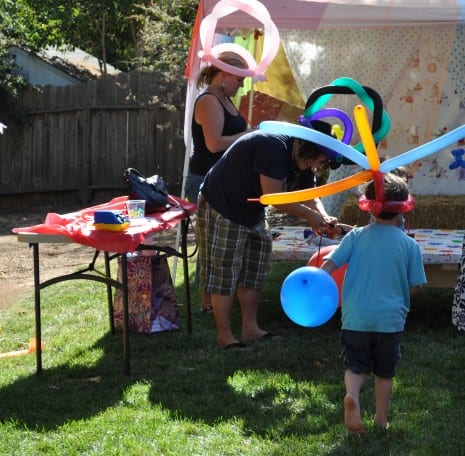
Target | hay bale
(446,212)
(351,214)
(431,211)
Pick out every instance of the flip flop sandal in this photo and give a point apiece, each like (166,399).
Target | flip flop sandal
(234,345)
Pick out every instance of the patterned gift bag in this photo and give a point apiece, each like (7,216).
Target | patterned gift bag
(458,304)
(152,303)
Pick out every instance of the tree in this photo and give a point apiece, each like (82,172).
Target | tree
(164,39)
(104,28)
(129,34)
(10,79)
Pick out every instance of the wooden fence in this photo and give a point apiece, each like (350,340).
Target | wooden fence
(75,142)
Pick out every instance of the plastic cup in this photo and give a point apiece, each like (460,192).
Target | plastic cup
(136,209)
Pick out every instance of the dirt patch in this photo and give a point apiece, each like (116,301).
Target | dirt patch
(16,267)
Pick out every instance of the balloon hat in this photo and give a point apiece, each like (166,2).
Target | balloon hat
(379,204)
(209,54)
(372,168)
(346,86)
(368,96)
(370,162)
(309,122)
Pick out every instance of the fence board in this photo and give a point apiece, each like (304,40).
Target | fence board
(78,140)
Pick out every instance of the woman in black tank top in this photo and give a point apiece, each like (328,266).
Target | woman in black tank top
(216,124)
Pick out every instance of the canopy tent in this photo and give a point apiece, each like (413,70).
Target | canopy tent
(318,14)
(410,51)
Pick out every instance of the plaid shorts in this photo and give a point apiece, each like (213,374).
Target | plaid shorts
(231,256)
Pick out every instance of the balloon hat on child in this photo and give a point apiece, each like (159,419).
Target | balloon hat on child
(379,204)
(373,169)
(340,152)
(209,54)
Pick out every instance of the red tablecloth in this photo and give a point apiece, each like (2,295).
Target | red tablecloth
(79,226)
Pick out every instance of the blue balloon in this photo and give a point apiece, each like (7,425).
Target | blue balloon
(423,151)
(309,296)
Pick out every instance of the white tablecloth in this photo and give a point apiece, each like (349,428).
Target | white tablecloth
(437,246)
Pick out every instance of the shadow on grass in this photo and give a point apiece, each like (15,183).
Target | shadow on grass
(192,379)
(288,387)
(66,392)
(431,308)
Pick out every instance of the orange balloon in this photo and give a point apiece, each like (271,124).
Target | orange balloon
(366,136)
(338,274)
(315,192)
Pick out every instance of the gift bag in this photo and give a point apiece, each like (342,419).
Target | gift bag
(152,305)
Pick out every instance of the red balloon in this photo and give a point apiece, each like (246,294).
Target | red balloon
(338,274)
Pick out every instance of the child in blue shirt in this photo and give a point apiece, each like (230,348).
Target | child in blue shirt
(384,267)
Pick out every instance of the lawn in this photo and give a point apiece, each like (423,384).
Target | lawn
(188,397)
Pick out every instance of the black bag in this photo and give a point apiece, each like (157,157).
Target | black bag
(151,189)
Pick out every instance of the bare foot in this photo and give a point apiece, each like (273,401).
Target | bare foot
(352,418)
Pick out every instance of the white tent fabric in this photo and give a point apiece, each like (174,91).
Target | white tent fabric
(320,14)
(410,51)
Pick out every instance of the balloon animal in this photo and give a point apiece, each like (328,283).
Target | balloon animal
(209,54)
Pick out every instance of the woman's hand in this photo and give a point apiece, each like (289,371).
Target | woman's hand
(330,220)
(336,230)
(317,222)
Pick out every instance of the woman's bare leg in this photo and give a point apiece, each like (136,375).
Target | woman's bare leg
(250,301)
(222,306)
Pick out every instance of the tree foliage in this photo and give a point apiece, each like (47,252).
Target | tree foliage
(163,45)
(104,28)
(165,35)
(10,31)
(148,35)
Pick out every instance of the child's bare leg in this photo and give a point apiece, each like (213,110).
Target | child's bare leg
(352,416)
(383,392)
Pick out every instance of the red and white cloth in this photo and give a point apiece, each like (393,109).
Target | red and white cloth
(79,226)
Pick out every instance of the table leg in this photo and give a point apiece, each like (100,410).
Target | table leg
(123,285)
(184,229)
(35,254)
(109,293)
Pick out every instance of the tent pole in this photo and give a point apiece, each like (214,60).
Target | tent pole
(250,110)
(190,99)
(256,35)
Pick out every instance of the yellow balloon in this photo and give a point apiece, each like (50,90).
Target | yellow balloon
(316,192)
(366,136)
(338,131)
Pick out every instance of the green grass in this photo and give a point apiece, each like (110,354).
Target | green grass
(187,397)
